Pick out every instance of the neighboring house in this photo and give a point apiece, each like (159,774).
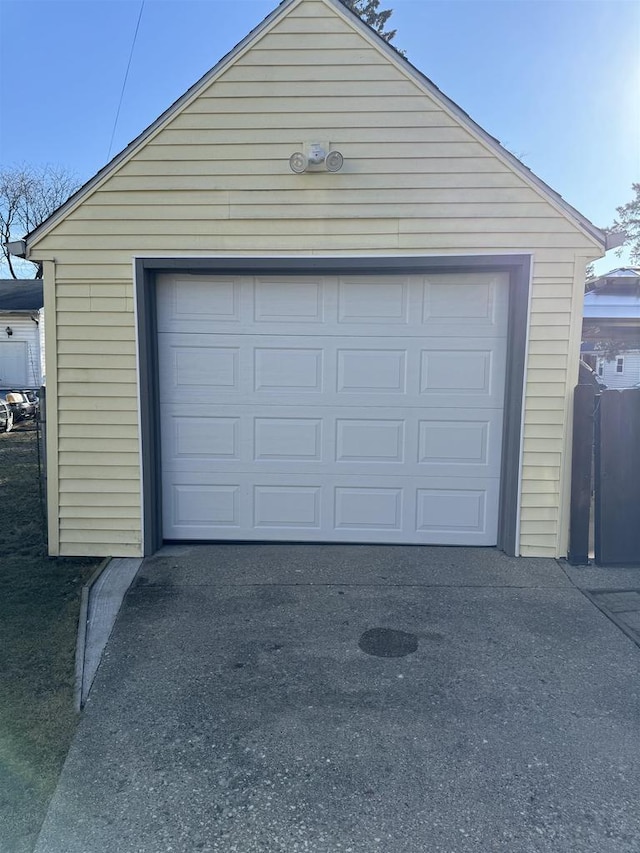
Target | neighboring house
(612,314)
(384,353)
(21,333)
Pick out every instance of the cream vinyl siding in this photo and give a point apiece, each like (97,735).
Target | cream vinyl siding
(215,180)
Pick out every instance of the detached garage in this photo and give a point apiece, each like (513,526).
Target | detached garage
(314,301)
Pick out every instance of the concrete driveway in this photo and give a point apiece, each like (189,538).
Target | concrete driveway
(248,701)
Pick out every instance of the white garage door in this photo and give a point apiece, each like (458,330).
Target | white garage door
(343,409)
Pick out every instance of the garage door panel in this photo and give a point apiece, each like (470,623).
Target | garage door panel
(373,301)
(326,508)
(193,303)
(465,300)
(351,306)
(289,300)
(353,409)
(445,442)
(455,372)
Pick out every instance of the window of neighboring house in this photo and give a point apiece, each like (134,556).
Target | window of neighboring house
(600,366)
(620,364)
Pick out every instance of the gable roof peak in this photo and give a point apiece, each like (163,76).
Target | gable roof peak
(284,8)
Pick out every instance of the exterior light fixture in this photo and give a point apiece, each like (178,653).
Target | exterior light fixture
(316,154)
(9,331)
(298,163)
(333,161)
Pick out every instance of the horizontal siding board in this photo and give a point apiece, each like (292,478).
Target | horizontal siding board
(551,432)
(282,40)
(538,374)
(536,487)
(109,457)
(360,134)
(493,228)
(552,417)
(368,167)
(541,346)
(546,390)
(545,527)
(76,290)
(318,24)
(543,445)
(111,289)
(540,332)
(125,526)
(199,209)
(532,547)
(72,430)
(330,110)
(71,412)
(546,246)
(537,457)
(279,152)
(306,195)
(555,305)
(369,71)
(106,537)
(167,230)
(78,333)
(352,182)
(549,515)
(75,401)
(105,375)
(540,473)
(84,515)
(73,485)
(89,359)
(93,449)
(536,500)
(96,473)
(97,549)
(111,395)
(544,361)
(97,318)
(87,503)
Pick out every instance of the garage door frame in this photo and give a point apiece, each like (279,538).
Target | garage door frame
(517,266)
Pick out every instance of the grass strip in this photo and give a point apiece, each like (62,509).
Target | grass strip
(39,605)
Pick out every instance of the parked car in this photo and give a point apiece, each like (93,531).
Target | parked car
(31,402)
(7,395)
(21,406)
(6,416)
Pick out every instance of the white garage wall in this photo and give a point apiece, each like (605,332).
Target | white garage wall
(26,332)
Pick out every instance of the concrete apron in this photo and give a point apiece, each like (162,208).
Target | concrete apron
(248,702)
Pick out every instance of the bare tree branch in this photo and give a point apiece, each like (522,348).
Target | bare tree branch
(28,196)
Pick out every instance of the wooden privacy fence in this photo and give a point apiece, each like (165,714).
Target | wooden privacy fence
(605,468)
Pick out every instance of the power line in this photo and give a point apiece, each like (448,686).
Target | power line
(124,82)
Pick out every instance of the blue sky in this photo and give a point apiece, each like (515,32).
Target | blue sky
(556,81)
